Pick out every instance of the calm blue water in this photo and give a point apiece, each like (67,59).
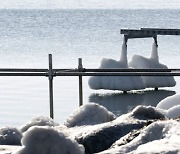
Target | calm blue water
(27,36)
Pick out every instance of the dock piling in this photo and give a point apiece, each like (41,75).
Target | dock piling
(50,73)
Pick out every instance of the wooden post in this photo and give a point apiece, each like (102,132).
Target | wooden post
(80,67)
(50,73)
(155,40)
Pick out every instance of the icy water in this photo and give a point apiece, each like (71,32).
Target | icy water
(28,36)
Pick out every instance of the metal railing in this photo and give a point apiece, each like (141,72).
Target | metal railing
(80,72)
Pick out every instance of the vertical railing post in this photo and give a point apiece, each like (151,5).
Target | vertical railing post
(50,74)
(80,68)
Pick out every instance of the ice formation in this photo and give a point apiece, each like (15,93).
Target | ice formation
(39,121)
(141,62)
(89,114)
(123,83)
(46,140)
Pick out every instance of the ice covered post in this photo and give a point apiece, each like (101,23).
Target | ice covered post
(50,75)
(80,68)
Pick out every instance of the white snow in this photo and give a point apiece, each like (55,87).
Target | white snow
(123,83)
(141,62)
(46,140)
(39,121)
(173,112)
(169,102)
(89,114)
(171,106)
(162,136)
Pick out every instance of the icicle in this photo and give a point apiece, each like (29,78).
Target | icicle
(154,53)
(123,57)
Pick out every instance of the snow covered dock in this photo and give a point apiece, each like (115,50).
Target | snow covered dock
(136,79)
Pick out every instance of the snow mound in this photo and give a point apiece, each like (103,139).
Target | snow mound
(169,102)
(39,121)
(123,83)
(147,113)
(10,136)
(141,62)
(171,105)
(89,114)
(46,140)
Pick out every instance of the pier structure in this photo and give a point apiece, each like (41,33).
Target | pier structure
(147,33)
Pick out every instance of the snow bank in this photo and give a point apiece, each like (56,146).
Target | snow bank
(39,121)
(89,114)
(141,62)
(159,133)
(123,83)
(10,136)
(46,140)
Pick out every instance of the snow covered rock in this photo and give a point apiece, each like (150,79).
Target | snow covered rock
(161,136)
(146,113)
(89,114)
(39,121)
(46,140)
(10,136)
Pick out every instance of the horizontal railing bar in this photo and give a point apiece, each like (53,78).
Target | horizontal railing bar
(87,70)
(66,70)
(118,74)
(91,72)
(130,70)
(22,70)
(23,74)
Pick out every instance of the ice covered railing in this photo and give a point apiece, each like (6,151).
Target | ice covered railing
(151,73)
